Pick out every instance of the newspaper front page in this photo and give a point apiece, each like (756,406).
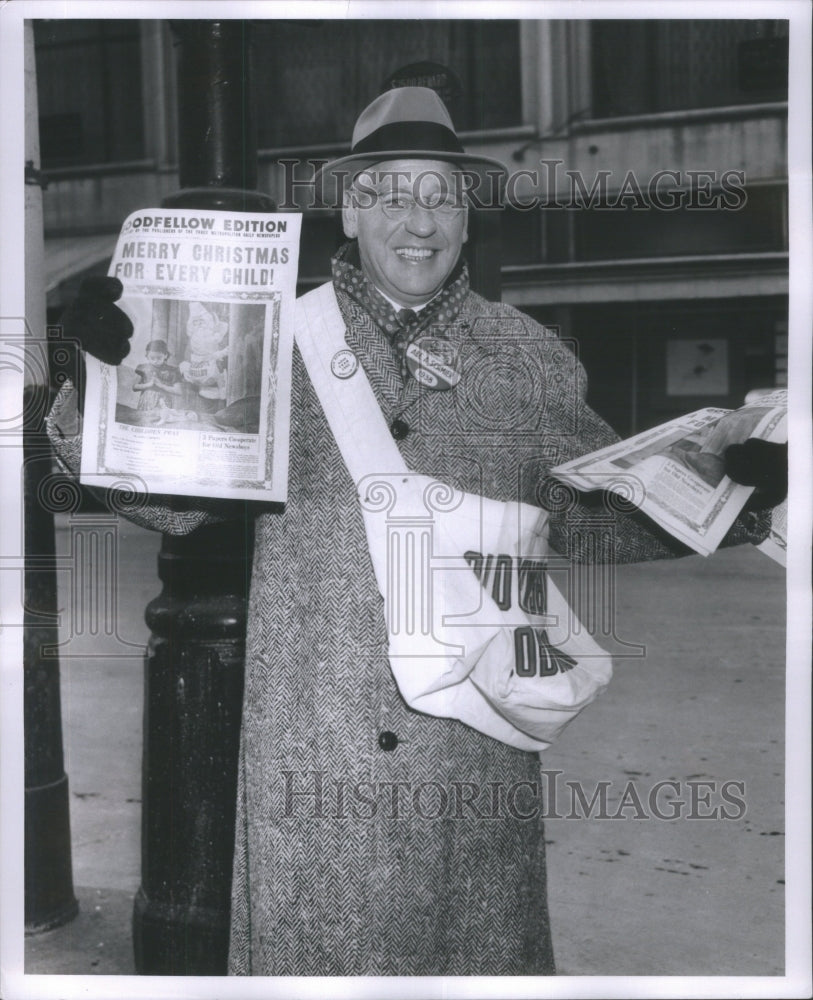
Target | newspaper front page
(201,405)
(675,472)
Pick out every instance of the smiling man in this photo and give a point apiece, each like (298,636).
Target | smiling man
(372,838)
(398,842)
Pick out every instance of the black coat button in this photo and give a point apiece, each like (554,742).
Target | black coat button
(387,740)
(399,429)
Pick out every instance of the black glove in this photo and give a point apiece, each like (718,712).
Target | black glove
(96,324)
(763,465)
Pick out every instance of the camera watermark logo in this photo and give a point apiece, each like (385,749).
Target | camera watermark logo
(80,559)
(87,564)
(511,378)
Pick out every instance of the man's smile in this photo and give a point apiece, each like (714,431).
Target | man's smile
(415,255)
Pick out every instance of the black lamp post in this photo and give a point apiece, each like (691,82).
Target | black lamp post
(194,662)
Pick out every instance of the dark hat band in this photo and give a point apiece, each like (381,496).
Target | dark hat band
(417,135)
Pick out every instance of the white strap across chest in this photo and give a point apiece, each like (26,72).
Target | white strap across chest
(353,412)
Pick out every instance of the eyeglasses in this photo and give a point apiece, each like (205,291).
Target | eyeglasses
(400,206)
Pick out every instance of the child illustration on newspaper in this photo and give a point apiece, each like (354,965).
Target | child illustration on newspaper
(158,383)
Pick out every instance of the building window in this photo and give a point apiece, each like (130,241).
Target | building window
(89,92)
(757,225)
(643,67)
(556,235)
(314,77)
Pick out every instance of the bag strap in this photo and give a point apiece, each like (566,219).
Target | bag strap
(350,405)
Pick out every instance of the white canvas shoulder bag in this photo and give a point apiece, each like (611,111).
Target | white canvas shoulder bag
(477,629)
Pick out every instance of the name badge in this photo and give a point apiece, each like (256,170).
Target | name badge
(433,362)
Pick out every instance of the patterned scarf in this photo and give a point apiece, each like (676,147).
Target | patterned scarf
(401,327)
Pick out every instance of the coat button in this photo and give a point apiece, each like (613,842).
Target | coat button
(399,429)
(387,740)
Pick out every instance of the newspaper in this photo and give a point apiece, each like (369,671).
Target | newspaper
(201,405)
(674,472)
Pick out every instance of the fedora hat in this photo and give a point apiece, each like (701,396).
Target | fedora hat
(405,123)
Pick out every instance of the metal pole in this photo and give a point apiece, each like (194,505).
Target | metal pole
(49,898)
(194,662)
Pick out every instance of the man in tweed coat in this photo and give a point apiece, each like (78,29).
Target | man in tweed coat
(372,839)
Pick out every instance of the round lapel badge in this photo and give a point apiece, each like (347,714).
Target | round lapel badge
(433,362)
(344,363)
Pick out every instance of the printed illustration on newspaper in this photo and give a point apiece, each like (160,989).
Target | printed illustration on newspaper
(674,473)
(201,405)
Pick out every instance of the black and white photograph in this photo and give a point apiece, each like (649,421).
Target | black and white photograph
(320,674)
(196,365)
(196,385)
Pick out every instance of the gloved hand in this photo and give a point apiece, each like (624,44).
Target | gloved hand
(761,464)
(96,323)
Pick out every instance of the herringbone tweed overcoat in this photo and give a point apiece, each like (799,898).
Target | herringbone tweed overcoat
(371,839)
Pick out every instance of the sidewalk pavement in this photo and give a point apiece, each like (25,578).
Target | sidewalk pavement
(629,896)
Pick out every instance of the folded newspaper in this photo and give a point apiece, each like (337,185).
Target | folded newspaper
(674,473)
(201,405)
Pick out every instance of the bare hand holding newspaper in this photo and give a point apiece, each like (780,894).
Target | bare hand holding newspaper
(675,474)
(201,405)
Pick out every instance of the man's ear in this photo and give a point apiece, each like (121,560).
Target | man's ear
(350,215)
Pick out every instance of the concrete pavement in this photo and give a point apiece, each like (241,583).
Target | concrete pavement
(692,729)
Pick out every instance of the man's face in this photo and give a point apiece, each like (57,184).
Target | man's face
(411,222)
